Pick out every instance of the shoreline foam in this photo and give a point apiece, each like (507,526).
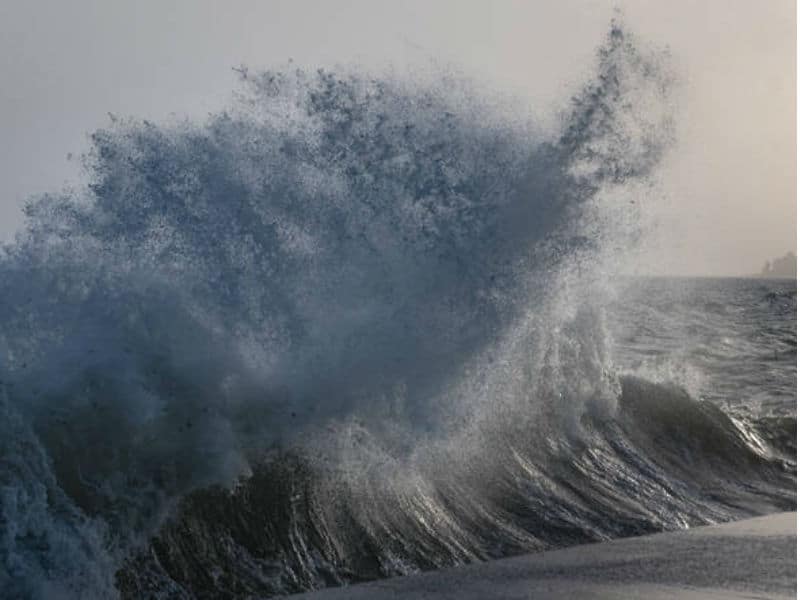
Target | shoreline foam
(753,558)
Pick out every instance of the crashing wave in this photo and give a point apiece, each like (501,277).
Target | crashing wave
(349,328)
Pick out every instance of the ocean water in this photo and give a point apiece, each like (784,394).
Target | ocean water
(729,341)
(356,327)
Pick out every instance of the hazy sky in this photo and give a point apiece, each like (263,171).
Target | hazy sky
(729,201)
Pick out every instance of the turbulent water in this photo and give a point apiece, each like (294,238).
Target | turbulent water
(356,327)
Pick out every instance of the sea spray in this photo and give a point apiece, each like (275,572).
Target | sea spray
(348,328)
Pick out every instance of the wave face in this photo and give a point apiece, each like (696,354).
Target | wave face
(349,328)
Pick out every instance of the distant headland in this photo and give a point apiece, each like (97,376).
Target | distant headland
(784,267)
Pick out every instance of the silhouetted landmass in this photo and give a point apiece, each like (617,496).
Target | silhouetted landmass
(784,267)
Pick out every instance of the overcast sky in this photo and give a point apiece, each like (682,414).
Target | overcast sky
(729,188)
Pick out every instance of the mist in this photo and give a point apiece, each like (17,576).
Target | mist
(726,196)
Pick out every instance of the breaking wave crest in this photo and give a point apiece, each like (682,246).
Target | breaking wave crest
(349,328)
(666,461)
